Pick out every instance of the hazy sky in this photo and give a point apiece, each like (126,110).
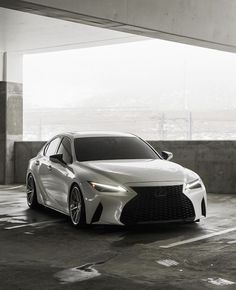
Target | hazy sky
(152,73)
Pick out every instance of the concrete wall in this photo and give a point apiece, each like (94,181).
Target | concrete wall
(214,161)
(23,152)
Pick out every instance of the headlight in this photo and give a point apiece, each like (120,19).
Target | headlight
(107,188)
(194,184)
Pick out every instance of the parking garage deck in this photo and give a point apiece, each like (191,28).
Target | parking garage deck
(41,250)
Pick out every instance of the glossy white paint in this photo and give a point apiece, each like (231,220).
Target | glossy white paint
(54,180)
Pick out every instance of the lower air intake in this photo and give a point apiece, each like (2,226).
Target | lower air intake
(203,205)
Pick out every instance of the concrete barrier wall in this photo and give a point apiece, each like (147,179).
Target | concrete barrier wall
(214,161)
(23,152)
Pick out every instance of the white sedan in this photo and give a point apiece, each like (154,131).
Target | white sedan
(113,178)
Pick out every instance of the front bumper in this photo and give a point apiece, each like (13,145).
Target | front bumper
(148,203)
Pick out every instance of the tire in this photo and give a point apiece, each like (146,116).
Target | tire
(77,208)
(31,193)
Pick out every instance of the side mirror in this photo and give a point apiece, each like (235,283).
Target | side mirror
(167,155)
(57,158)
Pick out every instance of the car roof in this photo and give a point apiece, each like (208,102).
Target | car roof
(83,134)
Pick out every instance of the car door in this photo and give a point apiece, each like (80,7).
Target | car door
(45,175)
(62,175)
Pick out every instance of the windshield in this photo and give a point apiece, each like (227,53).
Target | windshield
(110,148)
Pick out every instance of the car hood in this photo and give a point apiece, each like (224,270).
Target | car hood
(142,170)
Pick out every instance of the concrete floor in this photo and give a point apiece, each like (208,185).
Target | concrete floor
(41,250)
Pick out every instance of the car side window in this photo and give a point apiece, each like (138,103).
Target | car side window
(51,148)
(65,149)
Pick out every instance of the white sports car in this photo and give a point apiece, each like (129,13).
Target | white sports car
(113,178)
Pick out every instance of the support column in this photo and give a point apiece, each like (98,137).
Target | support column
(11,112)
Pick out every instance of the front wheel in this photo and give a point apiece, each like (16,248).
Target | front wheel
(76,207)
(31,193)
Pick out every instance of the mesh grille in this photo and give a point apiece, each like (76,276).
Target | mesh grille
(163,203)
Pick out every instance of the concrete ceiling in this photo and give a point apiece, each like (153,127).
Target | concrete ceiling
(29,33)
(207,23)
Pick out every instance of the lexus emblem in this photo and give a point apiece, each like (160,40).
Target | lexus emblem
(159,193)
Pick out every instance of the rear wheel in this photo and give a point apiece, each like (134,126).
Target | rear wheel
(31,193)
(76,207)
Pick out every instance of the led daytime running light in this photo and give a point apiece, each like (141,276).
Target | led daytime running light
(194,184)
(107,188)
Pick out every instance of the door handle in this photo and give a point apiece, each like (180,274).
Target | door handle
(37,162)
(49,167)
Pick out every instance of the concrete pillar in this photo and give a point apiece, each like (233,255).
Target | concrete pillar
(11,112)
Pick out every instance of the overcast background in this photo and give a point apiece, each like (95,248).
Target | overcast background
(179,91)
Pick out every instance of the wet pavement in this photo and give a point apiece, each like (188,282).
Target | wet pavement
(41,250)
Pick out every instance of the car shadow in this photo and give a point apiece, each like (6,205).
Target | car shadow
(123,236)
(127,236)
(43,213)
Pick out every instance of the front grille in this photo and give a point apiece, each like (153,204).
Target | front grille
(162,203)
